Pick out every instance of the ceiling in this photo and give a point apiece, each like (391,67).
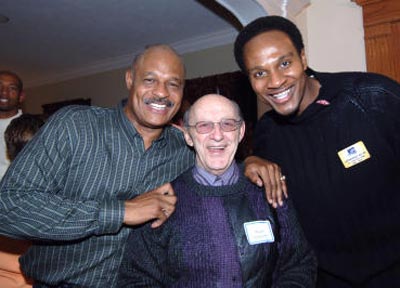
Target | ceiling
(47,41)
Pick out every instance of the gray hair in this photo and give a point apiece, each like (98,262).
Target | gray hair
(140,54)
(186,116)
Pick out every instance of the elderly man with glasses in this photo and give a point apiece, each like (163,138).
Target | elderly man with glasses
(223,233)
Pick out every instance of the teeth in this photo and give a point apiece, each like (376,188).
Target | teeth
(217,148)
(4,100)
(282,94)
(157,106)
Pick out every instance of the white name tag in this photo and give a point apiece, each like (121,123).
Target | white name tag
(258,232)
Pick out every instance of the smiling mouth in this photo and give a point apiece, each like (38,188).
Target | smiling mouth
(159,104)
(282,95)
(216,149)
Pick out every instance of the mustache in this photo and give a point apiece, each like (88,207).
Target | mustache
(159,101)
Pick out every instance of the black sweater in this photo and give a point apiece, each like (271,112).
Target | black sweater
(350,216)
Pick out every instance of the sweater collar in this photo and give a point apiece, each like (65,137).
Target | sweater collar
(322,102)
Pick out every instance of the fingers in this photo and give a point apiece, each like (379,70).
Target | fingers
(162,217)
(157,205)
(270,175)
(253,177)
(284,187)
(165,189)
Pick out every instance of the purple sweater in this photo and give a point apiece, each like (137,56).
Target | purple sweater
(203,244)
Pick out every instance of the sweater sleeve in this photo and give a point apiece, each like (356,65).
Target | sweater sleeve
(33,200)
(379,97)
(297,264)
(144,263)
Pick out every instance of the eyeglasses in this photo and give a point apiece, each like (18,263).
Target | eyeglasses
(226,125)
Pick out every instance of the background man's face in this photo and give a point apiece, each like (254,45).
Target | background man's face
(9,93)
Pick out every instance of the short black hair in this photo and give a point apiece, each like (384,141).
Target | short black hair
(19,132)
(20,84)
(265,24)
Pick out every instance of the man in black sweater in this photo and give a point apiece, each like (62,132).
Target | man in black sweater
(337,138)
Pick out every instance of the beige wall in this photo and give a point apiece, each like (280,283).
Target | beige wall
(332,31)
(104,89)
(334,35)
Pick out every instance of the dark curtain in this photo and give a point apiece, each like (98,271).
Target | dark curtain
(51,108)
(235,86)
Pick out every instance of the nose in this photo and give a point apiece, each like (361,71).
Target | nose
(161,90)
(217,134)
(276,79)
(3,90)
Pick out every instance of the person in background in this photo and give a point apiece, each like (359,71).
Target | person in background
(337,138)
(93,174)
(11,98)
(223,232)
(18,133)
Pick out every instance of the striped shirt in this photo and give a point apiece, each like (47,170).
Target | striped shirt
(66,190)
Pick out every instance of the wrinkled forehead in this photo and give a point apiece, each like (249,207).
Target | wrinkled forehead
(213,109)
(160,56)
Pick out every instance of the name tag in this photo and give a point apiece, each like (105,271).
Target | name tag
(354,154)
(258,232)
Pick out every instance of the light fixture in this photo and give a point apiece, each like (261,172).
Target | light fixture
(4,19)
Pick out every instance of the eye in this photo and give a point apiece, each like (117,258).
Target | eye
(148,80)
(285,64)
(259,74)
(204,126)
(229,123)
(175,84)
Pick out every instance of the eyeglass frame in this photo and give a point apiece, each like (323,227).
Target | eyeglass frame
(237,123)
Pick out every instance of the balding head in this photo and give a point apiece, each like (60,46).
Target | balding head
(214,128)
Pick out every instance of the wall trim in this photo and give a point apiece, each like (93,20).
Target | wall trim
(197,43)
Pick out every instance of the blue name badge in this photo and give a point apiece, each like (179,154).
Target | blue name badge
(258,232)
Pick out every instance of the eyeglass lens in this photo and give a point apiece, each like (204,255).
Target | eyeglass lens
(226,125)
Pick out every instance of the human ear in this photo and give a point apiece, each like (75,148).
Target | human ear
(128,79)
(188,138)
(21,97)
(303,58)
(242,130)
